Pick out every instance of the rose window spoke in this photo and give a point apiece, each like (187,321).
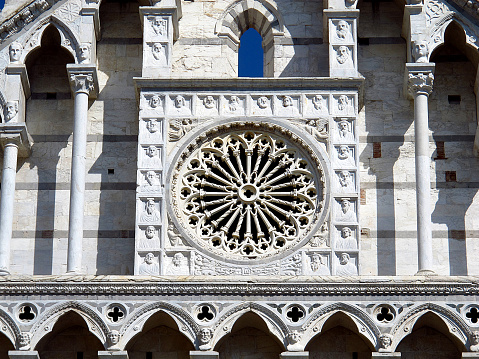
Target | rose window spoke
(248,194)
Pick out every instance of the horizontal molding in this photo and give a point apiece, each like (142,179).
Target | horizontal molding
(90,138)
(392,234)
(181,286)
(412,185)
(65,186)
(48,234)
(410,138)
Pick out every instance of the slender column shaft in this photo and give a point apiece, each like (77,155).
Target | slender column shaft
(423,182)
(6,204)
(77,190)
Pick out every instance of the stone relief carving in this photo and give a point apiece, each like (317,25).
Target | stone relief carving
(24,341)
(287,101)
(346,267)
(343,103)
(385,341)
(181,106)
(151,232)
(158,24)
(174,236)
(229,214)
(294,339)
(11,111)
(82,82)
(24,17)
(345,156)
(343,31)
(346,181)
(435,9)
(346,214)
(209,102)
(234,103)
(263,102)
(113,339)
(152,151)
(150,181)
(474,341)
(420,83)
(204,338)
(149,266)
(346,239)
(70,11)
(158,51)
(180,127)
(318,103)
(344,132)
(178,265)
(318,128)
(343,56)
(292,265)
(421,51)
(152,125)
(154,101)
(84,53)
(317,265)
(320,239)
(15,51)
(151,213)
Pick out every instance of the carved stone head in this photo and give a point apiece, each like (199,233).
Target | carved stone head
(318,102)
(346,232)
(262,102)
(150,232)
(316,262)
(149,258)
(157,50)
(15,51)
(342,29)
(345,205)
(113,337)
(344,258)
(151,178)
(420,51)
(152,151)
(205,335)
(85,53)
(209,101)
(11,111)
(179,101)
(343,54)
(287,101)
(152,125)
(475,337)
(294,337)
(385,340)
(24,340)
(343,152)
(178,259)
(150,206)
(155,101)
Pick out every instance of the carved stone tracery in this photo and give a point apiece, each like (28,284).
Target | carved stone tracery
(247,194)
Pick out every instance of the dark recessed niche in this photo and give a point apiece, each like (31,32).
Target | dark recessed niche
(111,171)
(454,99)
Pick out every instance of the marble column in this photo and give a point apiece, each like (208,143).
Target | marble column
(83,82)
(13,138)
(419,85)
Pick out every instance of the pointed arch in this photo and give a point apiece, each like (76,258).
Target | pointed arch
(9,327)
(225,323)
(136,323)
(454,323)
(365,326)
(47,320)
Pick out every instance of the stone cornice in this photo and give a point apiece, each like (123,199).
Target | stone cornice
(17,133)
(295,286)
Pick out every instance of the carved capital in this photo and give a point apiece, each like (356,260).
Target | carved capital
(420,83)
(82,83)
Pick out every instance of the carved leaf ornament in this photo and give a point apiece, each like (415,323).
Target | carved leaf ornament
(248,194)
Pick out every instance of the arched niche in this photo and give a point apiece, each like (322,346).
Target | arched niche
(5,346)
(46,67)
(430,339)
(339,338)
(161,337)
(249,337)
(69,336)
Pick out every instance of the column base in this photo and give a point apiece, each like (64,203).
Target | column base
(294,355)
(426,272)
(206,354)
(23,354)
(386,355)
(113,354)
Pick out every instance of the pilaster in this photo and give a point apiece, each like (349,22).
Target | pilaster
(341,27)
(160,29)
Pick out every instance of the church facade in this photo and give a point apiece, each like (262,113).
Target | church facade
(154,204)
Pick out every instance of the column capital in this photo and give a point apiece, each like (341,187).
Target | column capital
(16,134)
(83,79)
(419,79)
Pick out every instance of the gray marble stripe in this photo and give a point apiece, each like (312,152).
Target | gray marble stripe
(65,186)
(451,233)
(46,234)
(401,139)
(412,185)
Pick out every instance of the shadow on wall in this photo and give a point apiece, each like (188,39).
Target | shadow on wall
(452,119)
(50,122)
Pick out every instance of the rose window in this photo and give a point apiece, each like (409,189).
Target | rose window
(247,194)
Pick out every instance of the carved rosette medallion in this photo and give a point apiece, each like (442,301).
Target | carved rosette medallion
(246,193)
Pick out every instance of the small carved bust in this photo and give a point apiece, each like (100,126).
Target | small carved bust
(159,25)
(343,54)
(385,340)
(179,101)
(343,152)
(209,102)
(346,181)
(318,266)
(347,240)
(294,338)
(262,102)
(150,232)
(155,101)
(318,102)
(152,178)
(204,337)
(149,267)
(174,236)
(85,53)
(15,51)
(342,29)
(151,151)
(113,339)
(287,101)
(475,341)
(234,103)
(24,341)
(420,51)
(152,125)
(157,50)
(11,111)
(343,102)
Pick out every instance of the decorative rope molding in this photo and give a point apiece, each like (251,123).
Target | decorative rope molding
(320,286)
